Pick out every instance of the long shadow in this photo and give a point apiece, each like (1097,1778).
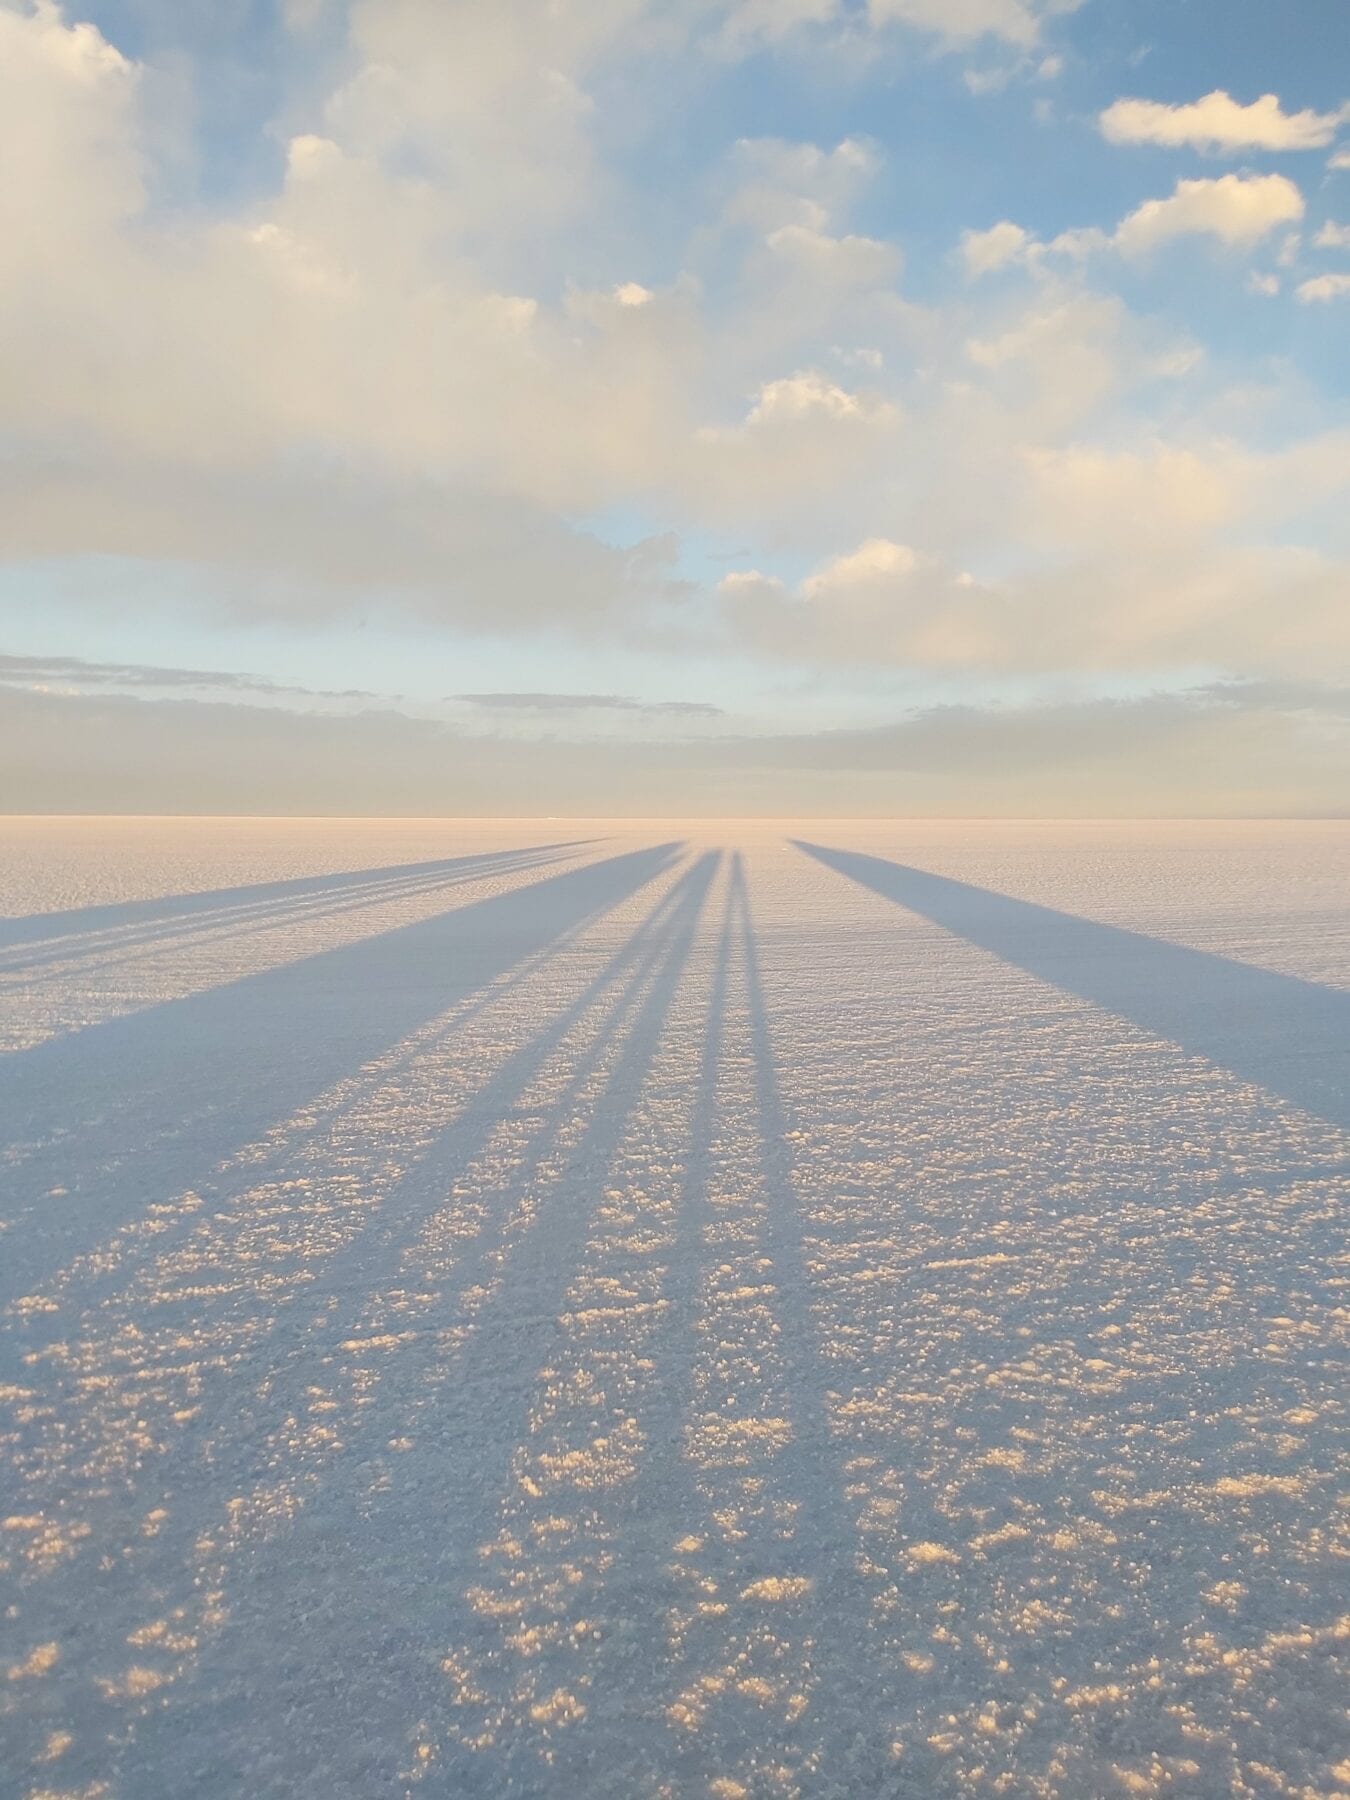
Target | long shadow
(117,946)
(356,1271)
(627,1663)
(1288,1036)
(230,1440)
(84,921)
(98,1125)
(659,1542)
(396,1559)
(641,1665)
(228,1196)
(854,1683)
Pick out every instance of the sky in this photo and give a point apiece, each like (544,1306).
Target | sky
(771,407)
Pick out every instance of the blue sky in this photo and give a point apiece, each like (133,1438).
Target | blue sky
(805,376)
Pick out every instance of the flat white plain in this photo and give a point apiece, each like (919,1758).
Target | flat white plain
(658,1308)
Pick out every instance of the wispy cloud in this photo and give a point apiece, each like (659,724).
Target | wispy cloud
(583,703)
(75,671)
(1260,748)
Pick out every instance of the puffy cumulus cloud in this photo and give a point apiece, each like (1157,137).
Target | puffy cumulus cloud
(1332,236)
(808,396)
(1044,370)
(1237,210)
(489,103)
(771,184)
(1217,122)
(68,121)
(385,381)
(1085,494)
(1268,609)
(239,388)
(1132,559)
(804,442)
(1323,287)
(501,99)
(753,23)
(984,252)
(1014,529)
(961,22)
(510,104)
(882,602)
(848,261)
(876,561)
(217,339)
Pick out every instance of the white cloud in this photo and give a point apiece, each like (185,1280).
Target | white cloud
(986,81)
(1324,287)
(338,337)
(807,450)
(754,22)
(68,104)
(778,183)
(1134,604)
(965,21)
(1263,284)
(848,261)
(804,396)
(1333,236)
(1217,122)
(1238,210)
(381,378)
(883,602)
(1339,159)
(1136,558)
(984,252)
(1086,495)
(749,581)
(1255,748)
(877,561)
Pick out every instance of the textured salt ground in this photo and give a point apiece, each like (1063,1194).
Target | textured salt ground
(566,1307)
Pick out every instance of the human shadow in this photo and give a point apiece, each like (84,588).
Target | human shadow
(96,1126)
(127,1319)
(734,1608)
(92,958)
(1288,1036)
(672,1564)
(396,1536)
(58,933)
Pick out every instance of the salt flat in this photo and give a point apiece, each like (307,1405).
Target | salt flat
(592,1308)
